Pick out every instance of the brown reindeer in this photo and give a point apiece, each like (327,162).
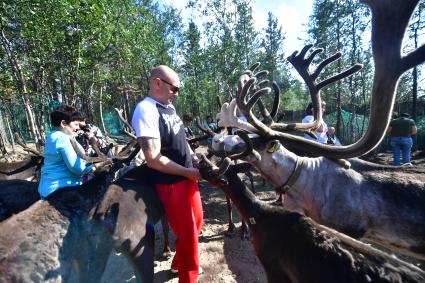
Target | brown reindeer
(293,248)
(71,235)
(137,161)
(27,169)
(384,209)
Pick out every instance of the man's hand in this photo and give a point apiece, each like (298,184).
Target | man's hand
(194,174)
(195,161)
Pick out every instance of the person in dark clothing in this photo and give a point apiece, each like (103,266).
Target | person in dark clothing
(401,130)
(188,131)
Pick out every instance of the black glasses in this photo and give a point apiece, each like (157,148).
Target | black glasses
(173,88)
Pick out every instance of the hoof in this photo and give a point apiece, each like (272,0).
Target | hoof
(166,253)
(245,237)
(230,233)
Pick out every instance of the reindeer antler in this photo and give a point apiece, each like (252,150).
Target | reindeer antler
(24,146)
(208,131)
(131,132)
(249,94)
(387,36)
(125,155)
(302,64)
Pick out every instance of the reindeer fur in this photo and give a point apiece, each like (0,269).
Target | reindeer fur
(69,238)
(294,248)
(381,206)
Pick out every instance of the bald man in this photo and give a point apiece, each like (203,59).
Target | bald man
(160,133)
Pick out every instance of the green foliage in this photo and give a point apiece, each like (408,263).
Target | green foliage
(70,50)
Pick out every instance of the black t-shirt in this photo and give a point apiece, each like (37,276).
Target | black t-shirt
(153,119)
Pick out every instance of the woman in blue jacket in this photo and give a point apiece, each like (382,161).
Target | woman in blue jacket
(62,167)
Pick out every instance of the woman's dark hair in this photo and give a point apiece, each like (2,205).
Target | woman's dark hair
(63,113)
(78,116)
(309,109)
(187,118)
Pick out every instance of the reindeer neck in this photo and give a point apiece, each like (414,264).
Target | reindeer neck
(246,202)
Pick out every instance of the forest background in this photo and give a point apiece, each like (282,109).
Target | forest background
(96,55)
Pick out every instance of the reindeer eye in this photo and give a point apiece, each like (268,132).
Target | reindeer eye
(273,147)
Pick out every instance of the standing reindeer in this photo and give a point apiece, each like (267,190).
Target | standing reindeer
(293,248)
(383,208)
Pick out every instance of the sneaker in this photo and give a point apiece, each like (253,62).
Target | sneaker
(175,271)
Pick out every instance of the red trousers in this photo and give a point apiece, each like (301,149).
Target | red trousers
(183,208)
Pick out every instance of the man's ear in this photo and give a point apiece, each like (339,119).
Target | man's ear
(63,124)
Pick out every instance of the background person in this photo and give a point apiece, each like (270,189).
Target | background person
(62,167)
(160,133)
(332,139)
(322,129)
(89,131)
(401,130)
(187,120)
(210,124)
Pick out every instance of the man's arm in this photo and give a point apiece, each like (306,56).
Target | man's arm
(151,149)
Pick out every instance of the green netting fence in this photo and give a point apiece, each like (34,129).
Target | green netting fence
(360,124)
(114,126)
(112,122)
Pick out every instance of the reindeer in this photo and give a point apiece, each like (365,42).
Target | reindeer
(27,169)
(293,248)
(388,210)
(72,235)
(231,228)
(138,161)
(18,190)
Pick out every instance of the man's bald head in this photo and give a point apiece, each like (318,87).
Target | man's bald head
(163,72)
(164,84)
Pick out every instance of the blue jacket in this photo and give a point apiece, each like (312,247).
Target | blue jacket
(62,166)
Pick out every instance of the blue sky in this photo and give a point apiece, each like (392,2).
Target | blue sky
(291,14)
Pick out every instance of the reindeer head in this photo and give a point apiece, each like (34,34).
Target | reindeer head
(105,163)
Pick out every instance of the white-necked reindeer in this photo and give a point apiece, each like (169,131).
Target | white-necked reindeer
(384,208)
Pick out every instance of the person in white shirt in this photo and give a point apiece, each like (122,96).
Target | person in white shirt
(322,130)
(160,133)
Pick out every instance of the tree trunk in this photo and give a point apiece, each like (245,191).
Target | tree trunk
(73,91)
(12,140)
(415,69)
(3,137)
(91,98)
(101,110)
(17,71)
(126,104)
